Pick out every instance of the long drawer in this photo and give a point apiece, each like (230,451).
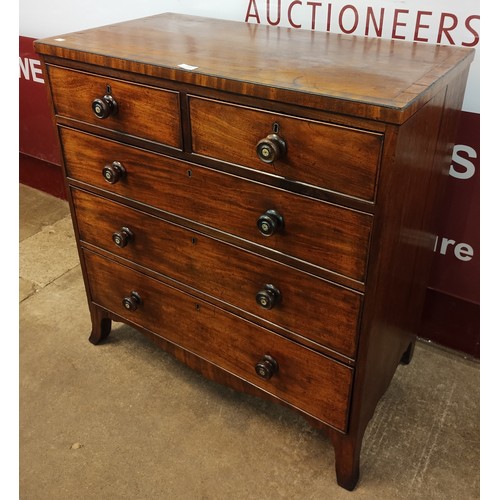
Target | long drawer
(143,111)
(331,157)
(303,378)
(309,306)
(327,235)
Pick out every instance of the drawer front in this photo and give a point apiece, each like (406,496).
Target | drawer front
(328,156)
(143,111)
(312,307)
(305,379)
(321,233)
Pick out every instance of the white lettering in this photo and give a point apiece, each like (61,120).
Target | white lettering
(24,68)
(462,251)
(36,70)
(444,245)
(469,168)
(30,69)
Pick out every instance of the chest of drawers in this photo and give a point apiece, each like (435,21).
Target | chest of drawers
(259,202)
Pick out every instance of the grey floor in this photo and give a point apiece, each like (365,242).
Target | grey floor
(123,420)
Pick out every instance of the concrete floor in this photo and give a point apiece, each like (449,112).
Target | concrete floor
(125,421)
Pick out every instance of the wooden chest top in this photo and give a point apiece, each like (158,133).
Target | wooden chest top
(373,78)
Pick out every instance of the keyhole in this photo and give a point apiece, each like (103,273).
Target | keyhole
(276,127)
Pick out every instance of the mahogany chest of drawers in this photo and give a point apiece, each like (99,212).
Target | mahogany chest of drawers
(258,201)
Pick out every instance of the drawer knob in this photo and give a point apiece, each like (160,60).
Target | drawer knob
(104,106)
(122,237)
(268,297)
(114,172)
(266,367)
(132,301)
(271,148)
(270,222)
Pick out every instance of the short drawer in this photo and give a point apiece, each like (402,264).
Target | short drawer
(314,383)
(146,112)
(324,234)
(311,307)
(331,157)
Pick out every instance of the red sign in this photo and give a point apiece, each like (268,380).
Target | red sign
(37,136)
(456,269)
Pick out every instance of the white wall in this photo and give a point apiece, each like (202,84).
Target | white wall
(53,17)
(413,18)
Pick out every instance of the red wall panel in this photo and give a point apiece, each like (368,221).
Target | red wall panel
(456,266)
(36,131)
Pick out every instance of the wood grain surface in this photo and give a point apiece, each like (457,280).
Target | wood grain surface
(336,158)
(224,271)
(362,76)
(316,384)
(140,107)
(327,235)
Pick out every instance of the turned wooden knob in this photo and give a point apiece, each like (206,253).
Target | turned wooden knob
(268,297)
(122,237)
(271,148)
(104,106)
(132,301)
(266,367)
(270,222)
(114,172)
